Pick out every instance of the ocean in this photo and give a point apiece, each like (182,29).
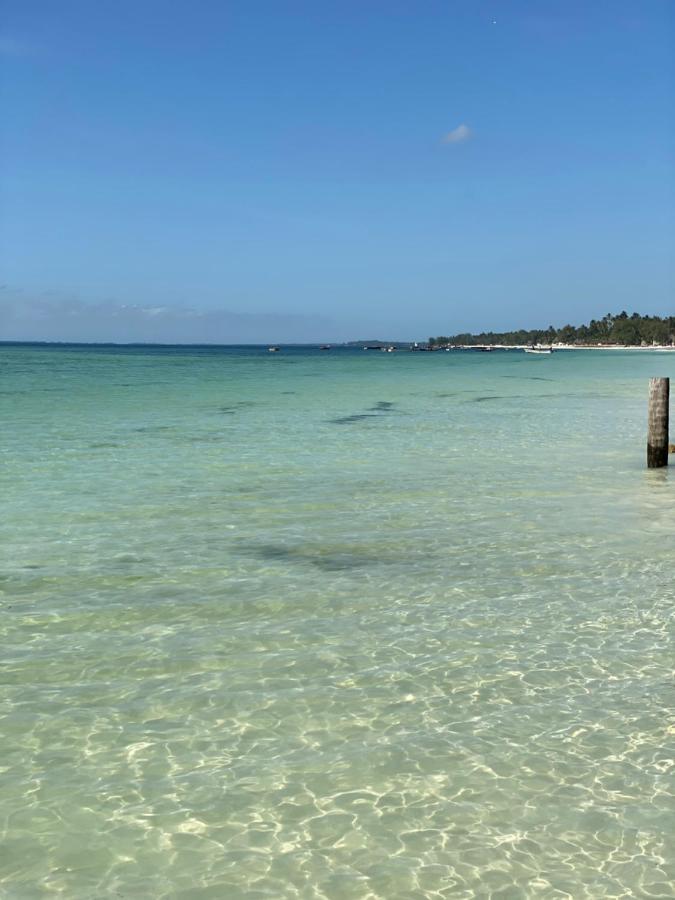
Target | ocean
(336,624)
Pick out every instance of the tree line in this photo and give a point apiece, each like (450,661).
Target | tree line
(611,329)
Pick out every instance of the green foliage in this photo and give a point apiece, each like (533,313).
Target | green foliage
(620,329)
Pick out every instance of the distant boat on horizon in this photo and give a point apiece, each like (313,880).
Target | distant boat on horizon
(273,349)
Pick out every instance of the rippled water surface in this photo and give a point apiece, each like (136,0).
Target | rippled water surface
(334,625)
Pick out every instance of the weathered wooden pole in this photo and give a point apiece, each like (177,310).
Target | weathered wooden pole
(657,434)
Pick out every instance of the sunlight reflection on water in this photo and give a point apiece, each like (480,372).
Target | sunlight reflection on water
(334,629)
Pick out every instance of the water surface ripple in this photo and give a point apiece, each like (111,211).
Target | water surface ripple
(360,626)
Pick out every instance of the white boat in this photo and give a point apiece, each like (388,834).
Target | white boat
(546,350)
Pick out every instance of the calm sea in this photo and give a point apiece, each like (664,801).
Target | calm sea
(334,625)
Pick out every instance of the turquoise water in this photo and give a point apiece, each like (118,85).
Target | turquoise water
(334,625)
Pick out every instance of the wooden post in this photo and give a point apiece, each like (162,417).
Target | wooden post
(657,436)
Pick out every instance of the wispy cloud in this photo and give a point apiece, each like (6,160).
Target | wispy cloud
(458,135)
(57,318)
(10,46)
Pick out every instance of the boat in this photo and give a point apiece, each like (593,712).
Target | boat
(272,349)
(324,347)
(538,349)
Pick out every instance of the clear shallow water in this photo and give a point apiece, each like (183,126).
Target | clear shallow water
(334,625)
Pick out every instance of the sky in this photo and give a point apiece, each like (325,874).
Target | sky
(253,171)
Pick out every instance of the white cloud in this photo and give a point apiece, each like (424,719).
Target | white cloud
(458,135)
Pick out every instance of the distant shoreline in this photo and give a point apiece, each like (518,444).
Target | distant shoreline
(653,348)
(349,345)
(670,348)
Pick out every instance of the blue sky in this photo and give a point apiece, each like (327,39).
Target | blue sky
(266,171)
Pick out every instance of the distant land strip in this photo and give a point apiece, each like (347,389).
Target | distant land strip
(622,330)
